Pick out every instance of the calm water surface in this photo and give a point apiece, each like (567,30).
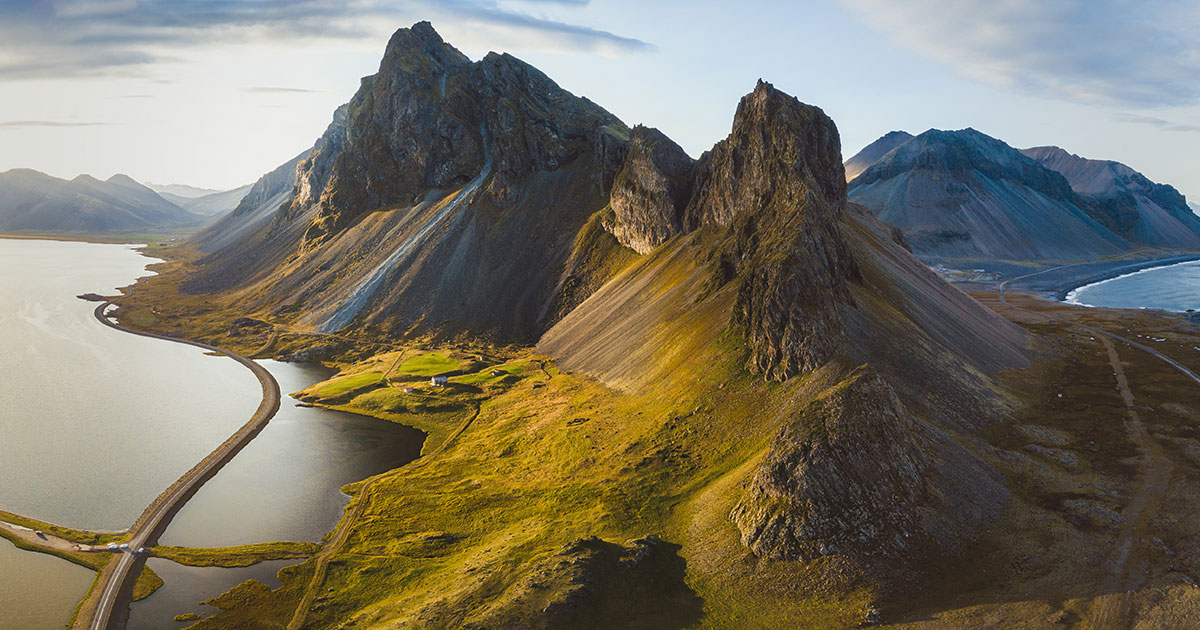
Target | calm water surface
(187,588)
(94,423)
(285,484)
(38,592)
(1172,288)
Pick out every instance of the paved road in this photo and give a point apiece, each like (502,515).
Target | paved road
(116,581)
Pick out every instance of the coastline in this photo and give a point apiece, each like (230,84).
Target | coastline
(1059,283)
(114,583)
(1071,296)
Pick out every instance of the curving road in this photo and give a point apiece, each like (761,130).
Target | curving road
(1175,364)
(115,583)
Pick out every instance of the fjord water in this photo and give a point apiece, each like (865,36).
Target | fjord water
(1171,288)
(186,588)
(94,423)
(285,485)
(38,591)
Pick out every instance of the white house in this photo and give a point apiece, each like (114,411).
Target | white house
(439,381)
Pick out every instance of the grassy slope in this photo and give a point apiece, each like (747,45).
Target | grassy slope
(452,539)
(665,445)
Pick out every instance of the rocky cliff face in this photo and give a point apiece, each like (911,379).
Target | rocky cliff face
(430,119)
(777,188)
(846,476)
(650,191)
(1132,205)
(447,196)
(855,475)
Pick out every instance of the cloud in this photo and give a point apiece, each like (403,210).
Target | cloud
(80,38)
(31,124)
(507,25)
(1128,52)
(1165,125)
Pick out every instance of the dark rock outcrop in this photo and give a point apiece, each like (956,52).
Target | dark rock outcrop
(595,584)
(650,191)
(777,188)
(855,475)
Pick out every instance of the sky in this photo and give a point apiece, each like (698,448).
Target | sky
(214,93)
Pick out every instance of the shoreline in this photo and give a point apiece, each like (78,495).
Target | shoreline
(1059,283)
(1071,296)
(115,580)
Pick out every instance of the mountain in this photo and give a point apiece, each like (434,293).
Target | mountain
(209,204)
(181,191)
(871,153)
(963,194)
(35,203)
(1195,207)
(1150,213)
(453,199)
(478,179)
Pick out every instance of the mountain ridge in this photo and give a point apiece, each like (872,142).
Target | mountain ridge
(32,202)
(963,194)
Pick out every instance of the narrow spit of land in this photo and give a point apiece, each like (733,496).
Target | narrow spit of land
(106,602)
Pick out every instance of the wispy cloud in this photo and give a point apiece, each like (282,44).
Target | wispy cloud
(26,124)
(1160,123)
(1129,52)
(74,38)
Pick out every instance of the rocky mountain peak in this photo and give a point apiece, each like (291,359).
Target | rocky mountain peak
(420,51)
(651,190)
(967,150)
(871,153)
(777,143)
(433,120)
(778,187)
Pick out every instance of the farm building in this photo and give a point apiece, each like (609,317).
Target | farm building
(439,381)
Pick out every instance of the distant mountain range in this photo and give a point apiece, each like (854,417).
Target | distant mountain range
(203,201)
(32,202)
(963,194)
(35,203)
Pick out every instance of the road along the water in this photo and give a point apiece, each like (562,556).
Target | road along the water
(105,606)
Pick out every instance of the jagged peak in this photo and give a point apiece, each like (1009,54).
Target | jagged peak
(776,186)
(419,49)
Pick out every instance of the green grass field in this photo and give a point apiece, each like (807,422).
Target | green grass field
(347,384)
(431,364)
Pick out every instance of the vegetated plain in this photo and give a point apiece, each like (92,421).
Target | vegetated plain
(553,457)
